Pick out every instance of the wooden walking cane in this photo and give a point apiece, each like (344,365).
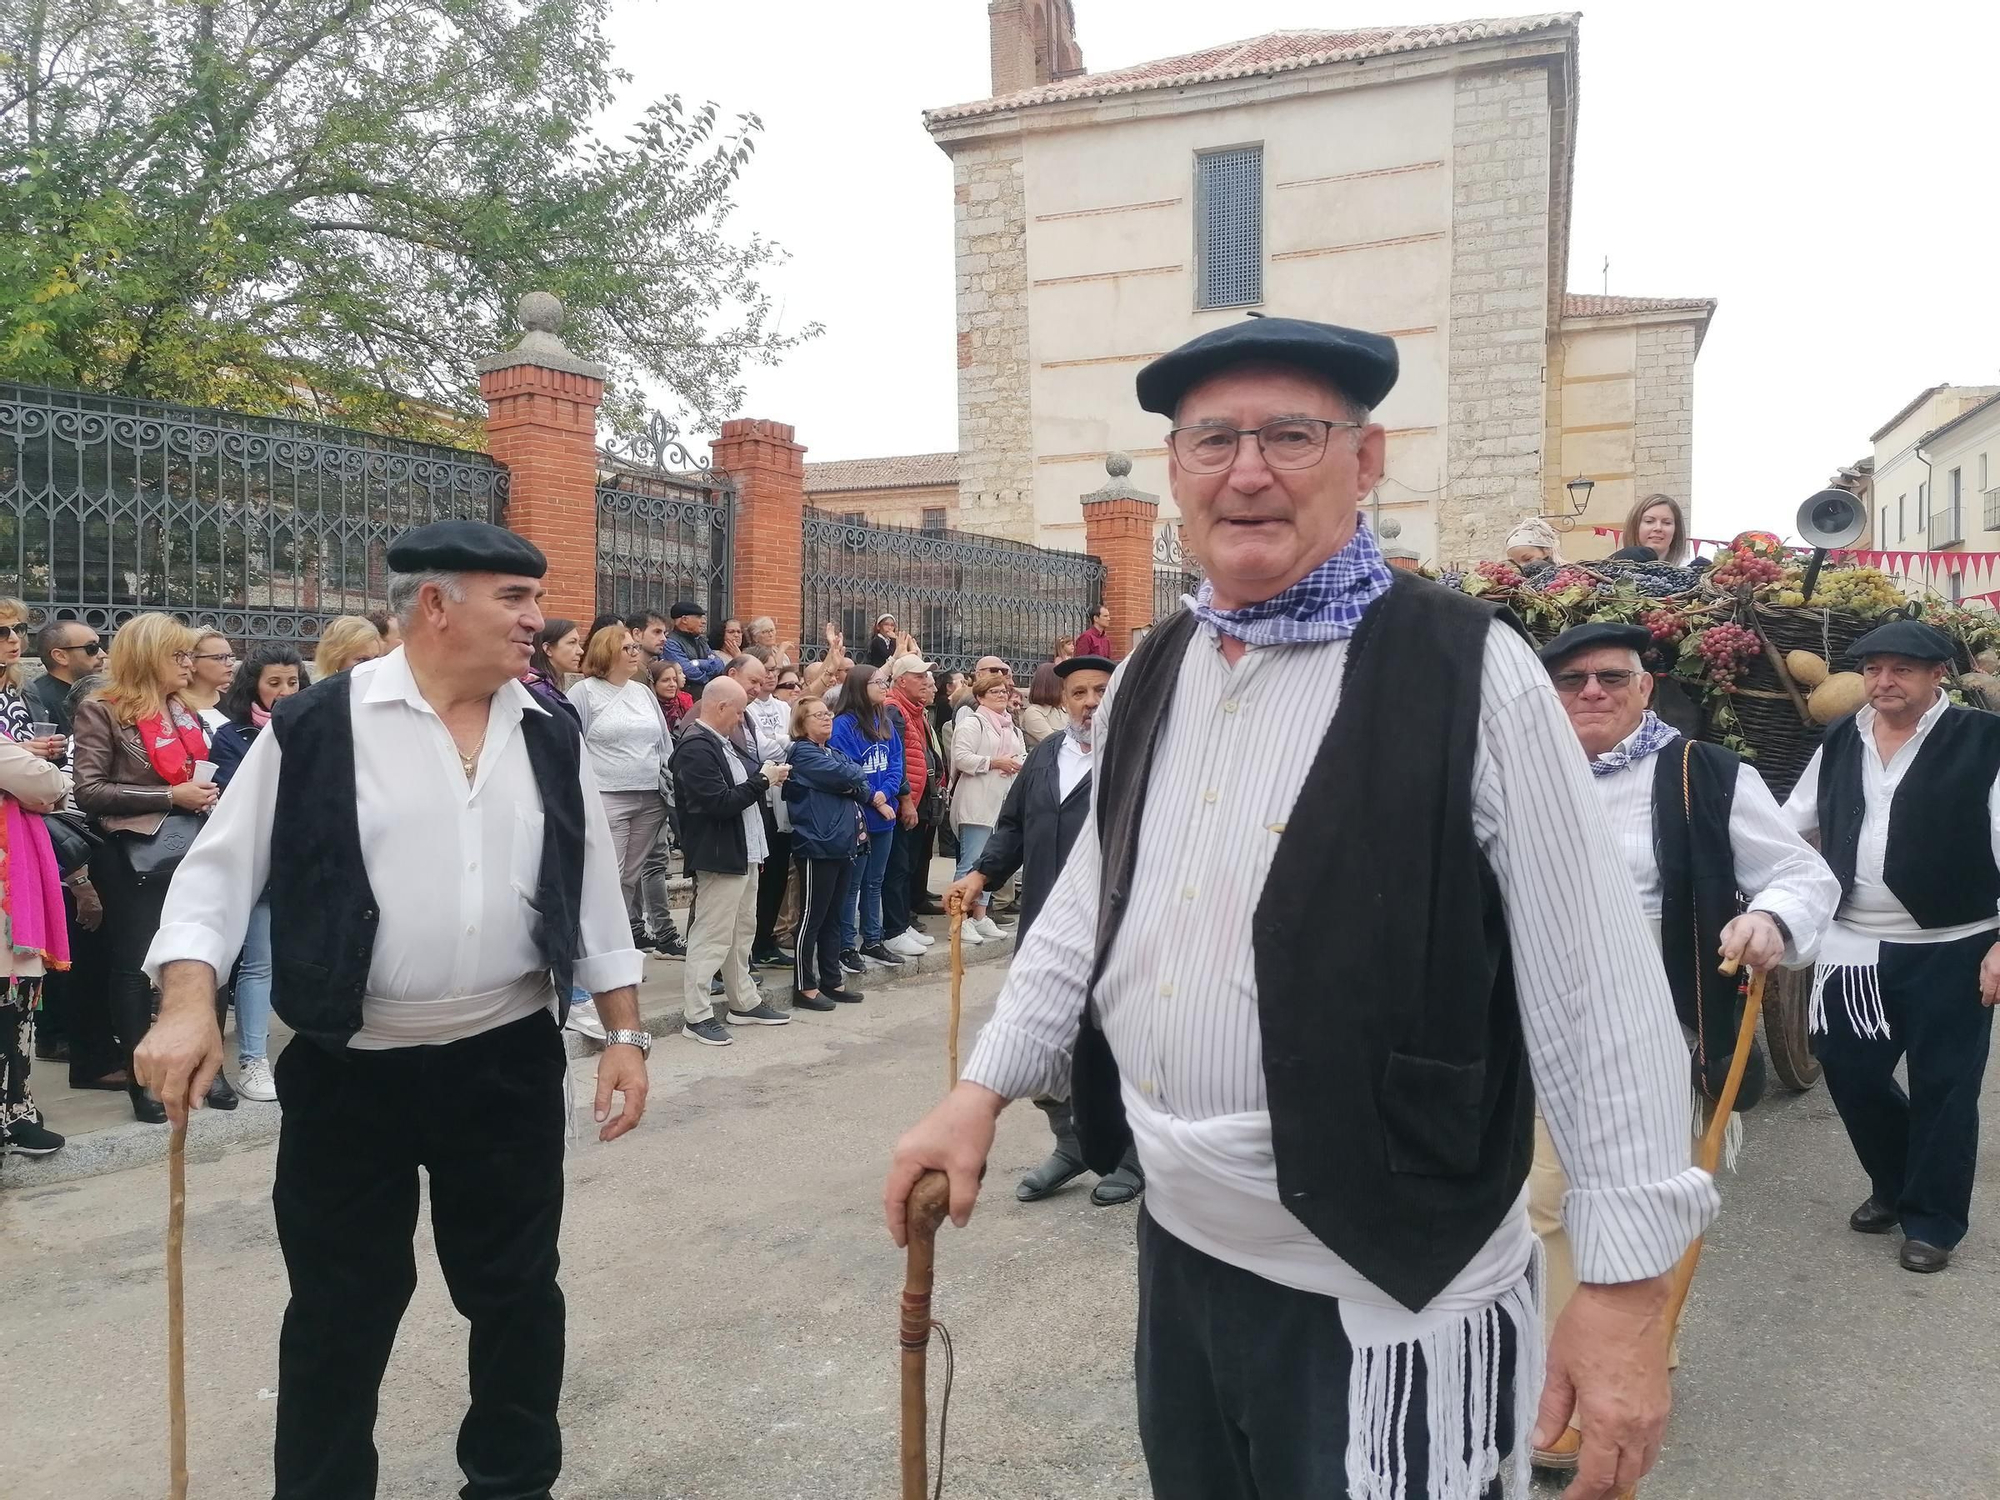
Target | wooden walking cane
(177,1426)
(1711,1153)
(928,1202)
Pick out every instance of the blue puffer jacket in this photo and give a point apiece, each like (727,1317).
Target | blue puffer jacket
(825,793)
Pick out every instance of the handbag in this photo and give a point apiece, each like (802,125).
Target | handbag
(156,855)
(73,839)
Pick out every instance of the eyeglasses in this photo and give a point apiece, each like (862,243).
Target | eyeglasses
(1291,443)
(88,648)
(8,632)
(786,687)
(185,658)
(878,682)
(1569,684)
(215,656)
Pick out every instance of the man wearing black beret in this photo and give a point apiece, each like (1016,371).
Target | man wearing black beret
(1696,825)
(1905,797)
(439,871)
(1305,957)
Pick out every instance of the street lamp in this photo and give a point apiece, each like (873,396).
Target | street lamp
(1579,494)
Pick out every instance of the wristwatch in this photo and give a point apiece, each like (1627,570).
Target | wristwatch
(643,1040)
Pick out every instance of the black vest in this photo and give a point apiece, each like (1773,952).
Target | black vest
(323,914)
(1939,862)
(1694,791)
(1397,1081)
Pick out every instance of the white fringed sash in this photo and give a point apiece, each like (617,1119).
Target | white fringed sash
(1849,960)
(1213,1184)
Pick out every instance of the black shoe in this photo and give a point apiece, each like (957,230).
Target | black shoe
(715,985)
(220,1094)
(30,1138)
(665,947)
(1122,1186)
(845,994)
(802,1001)
(760,1014)
(878,953)
(1920,1255)
(1873,1218)
(772,958)
(146,1109)
(928,907)
(1058,1171)
(56,1051)
(850,960)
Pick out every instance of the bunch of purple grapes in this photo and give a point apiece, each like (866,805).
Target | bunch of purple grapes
(1725,651)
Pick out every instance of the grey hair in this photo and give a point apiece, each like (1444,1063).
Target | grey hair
(406,588)
(761,623)
(738,663)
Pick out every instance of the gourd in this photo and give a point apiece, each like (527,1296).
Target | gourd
(1808,670)
(1837,697)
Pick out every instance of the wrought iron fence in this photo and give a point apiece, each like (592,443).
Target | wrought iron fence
(663,538)
(1175,572)
(262,527)
(962,595)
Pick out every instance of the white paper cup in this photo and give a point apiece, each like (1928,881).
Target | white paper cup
(204,771)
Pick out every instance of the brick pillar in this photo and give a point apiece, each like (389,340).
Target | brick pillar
(768,470)
(541,422)
(1118,525)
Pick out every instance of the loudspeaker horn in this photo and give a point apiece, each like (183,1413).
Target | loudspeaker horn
(1832,519)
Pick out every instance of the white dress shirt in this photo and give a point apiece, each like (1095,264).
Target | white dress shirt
(1178,999)
(1072,765)
(454,869)
(770,723)
(1871,909)
(753,820)
(1777,869)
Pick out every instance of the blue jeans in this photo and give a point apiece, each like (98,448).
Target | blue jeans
(971,844)
(253,986)
(863,908)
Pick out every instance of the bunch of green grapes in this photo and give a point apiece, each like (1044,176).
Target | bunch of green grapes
(1865,591)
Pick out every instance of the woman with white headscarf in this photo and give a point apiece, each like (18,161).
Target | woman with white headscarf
(1532,542)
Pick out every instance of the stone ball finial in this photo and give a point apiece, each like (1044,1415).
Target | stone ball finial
(540,311)
(1391,529)
(1118,465)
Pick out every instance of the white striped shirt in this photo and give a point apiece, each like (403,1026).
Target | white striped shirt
(1178,1000)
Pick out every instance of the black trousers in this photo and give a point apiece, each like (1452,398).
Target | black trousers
(131,918)
(1243,1383)
(86,998)
(1919,1149)
(816,947)
(909,874)
(484,1117)
(771,883)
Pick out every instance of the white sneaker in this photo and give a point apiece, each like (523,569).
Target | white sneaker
(254,1081)
(968,932)
(584,1020)
(917,935)
(905,945)
(989,929)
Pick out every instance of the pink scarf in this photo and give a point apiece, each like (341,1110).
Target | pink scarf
(260,716)
(34,887)
(1003,724)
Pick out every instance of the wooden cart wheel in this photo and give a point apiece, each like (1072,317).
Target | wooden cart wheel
(1785,1037)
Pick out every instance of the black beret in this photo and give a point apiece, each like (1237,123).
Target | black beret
(1085,664)
(1911,638)
(684,607)
(1591,636)
(1362,365)
(466,547)
(1635,554)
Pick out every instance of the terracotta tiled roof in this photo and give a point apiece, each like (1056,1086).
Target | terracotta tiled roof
(907,471)
(1276,52)
(1580,305)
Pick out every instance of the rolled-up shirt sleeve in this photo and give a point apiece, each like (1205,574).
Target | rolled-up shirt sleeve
(1609,1064)
(1784,874)
(221,878)
(606,959)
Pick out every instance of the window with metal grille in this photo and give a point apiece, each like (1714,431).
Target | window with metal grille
(934,518)
(1229,226)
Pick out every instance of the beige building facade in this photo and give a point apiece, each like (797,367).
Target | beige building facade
(1413,180)
(1937,488)
(918,490)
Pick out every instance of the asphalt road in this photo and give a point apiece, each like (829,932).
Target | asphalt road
(733,1308)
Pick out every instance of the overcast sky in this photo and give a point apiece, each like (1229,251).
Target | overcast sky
(1831,180)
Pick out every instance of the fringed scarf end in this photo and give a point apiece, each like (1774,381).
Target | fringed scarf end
(1860,988)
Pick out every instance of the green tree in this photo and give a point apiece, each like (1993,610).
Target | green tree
(330,206)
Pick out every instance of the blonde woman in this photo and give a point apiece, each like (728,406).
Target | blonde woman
(349,640)
(214,667)
(17,715)
(625,736)
(986,751)
(136,746)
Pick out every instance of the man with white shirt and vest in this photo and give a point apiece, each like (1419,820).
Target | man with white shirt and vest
(1044,811)
(1905,798)
(439,869)
(1343,909)
(1696,826)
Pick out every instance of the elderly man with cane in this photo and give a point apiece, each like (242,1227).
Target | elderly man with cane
(439,870)
(1343,909)
(1722,878)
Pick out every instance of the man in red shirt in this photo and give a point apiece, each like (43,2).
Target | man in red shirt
(911,689)
(1096,638)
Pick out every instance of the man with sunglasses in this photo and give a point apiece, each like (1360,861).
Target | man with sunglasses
(1343,909)
(1696,825)
(70,650)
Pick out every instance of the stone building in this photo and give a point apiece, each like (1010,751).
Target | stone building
(917,489)
(1415,180)
(1936,489)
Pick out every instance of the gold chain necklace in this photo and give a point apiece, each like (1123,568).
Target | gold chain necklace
(469,764)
